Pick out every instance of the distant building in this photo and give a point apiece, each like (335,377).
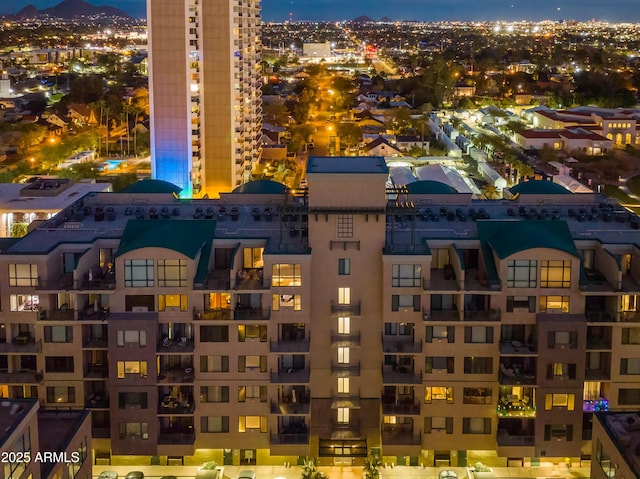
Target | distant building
(316,50)
(205,93)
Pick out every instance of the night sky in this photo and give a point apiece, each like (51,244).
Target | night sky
(278,10)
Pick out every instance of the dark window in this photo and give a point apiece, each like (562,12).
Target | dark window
(439,363)
(59,364)
(405,301)
(344,266)
(478,365)
(476,425)
(439,334)
(214,334)
(132,400)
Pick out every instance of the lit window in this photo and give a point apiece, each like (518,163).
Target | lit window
(252,258)
(293,301)
(172,301)
(286,275)
(343,415)
(555,274)
(343,385)
(249,423)
(566,401)
(23,275)
(343,355)
(438,393)
(344,325)
(138,368)
(24,302)
(172,272)
(554,304)
(344,295)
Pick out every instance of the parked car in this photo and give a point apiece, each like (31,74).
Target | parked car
(108,475)
(135,475)
(447,475)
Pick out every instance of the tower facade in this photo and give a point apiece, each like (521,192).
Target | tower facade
(205,92)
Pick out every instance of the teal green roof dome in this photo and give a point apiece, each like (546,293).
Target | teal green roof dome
(186,237)
(262,187)
(152,186)
(539,187)
(430,187)
(510,237)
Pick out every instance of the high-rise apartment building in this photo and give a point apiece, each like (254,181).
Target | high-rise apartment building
(205,89)
(263,326)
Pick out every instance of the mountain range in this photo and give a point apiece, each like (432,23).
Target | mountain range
(69,9)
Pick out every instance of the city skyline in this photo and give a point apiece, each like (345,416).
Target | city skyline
(448,10)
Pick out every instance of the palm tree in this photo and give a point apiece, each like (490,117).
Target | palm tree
(490,192)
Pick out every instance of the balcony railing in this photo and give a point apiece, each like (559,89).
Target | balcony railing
(171,437)
(293,438)
(281,346)
(401,377)
(175,376)
(401,407)
(20,345)
(290,408)
(345,339)
(343,370)
(489,315)
(57,314)
(95,343)
(515,408)
(352,309)
(97,401)
(63,282)
(251,314)
(176,345)
(395,346)
(213,314)
(21,377)
(506,439)
(96,372)
(515,348)
(441,315)
(400,437)
(290,376)
(172,407)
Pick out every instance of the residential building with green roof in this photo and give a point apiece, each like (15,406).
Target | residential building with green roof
(346,318)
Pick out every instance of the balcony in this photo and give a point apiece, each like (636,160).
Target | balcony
(212,315)
(595,405)
(176,436)
(441,280)
(94,371)
(290,408)
(630,316)
(282,346)
(97,401)
(95,342)
(62,314)
(511,406)
(601,317)
(399,346)
(346,309)
(290,376)
(64,283)
(506,439)
(176,345)
(22,344)
(401,375)
(599,374)
(21,377)
(176,376)
(441,315)
(400,407)
(399,436)
(173,406)
(515,348)
(98,282)
(488,315)
(290,438)
(515,373)
(345,370)
(349,430)
(351,340)
(251,314)
(251,279)
(216,280)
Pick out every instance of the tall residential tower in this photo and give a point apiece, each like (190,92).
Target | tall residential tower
(205,92)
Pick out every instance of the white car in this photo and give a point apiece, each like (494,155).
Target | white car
(247,475)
